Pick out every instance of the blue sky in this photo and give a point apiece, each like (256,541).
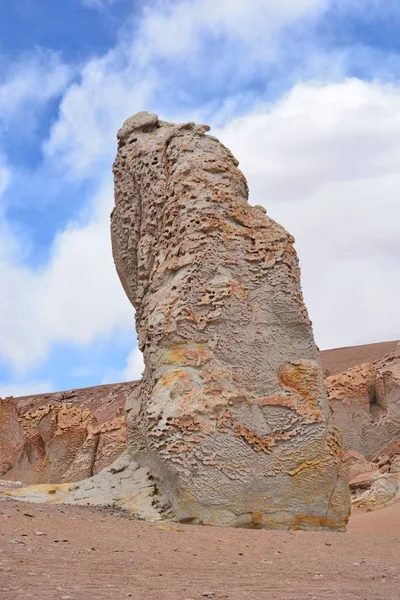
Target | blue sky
(305,92)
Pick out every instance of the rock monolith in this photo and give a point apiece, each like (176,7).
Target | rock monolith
(231,415)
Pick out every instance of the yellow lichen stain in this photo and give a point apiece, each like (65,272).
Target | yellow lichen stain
(315,522)
(193,355)
(300,377)
(171,378)
(257,518)
(334,444)
(308,464)
(57,492)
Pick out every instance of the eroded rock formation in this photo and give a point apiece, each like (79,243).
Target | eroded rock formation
(366,404)
(365,401)
(231,415)
(64,436)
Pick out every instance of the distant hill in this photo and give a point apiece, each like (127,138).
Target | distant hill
(338,360)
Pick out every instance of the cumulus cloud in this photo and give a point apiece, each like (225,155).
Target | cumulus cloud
(324,162)
(134,365)
(155,64)
(176,28)
(31,82)
(93,110)
(75,298)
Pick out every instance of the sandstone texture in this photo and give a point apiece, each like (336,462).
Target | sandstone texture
(374,481)
(231,416)
(64,436)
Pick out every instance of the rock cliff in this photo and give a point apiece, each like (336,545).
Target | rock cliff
(63,436)
(231,415)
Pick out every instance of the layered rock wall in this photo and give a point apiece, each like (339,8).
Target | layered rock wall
(231,415)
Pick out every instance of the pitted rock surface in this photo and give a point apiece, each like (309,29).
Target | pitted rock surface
(231,415)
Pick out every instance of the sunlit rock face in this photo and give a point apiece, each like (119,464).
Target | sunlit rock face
(231,415)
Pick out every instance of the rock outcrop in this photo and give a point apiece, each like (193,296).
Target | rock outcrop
(377,483)
(231,415)
(366,404)
(64,436)
(365,401)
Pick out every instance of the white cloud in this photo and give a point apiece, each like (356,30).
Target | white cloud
(31,82)
(176,28)
(75,298)
(92,111)
(148,59)
(324,162)
(134,366)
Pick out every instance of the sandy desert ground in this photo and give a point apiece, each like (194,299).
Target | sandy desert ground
(74,553)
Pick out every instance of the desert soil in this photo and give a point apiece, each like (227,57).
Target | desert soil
(75,553)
